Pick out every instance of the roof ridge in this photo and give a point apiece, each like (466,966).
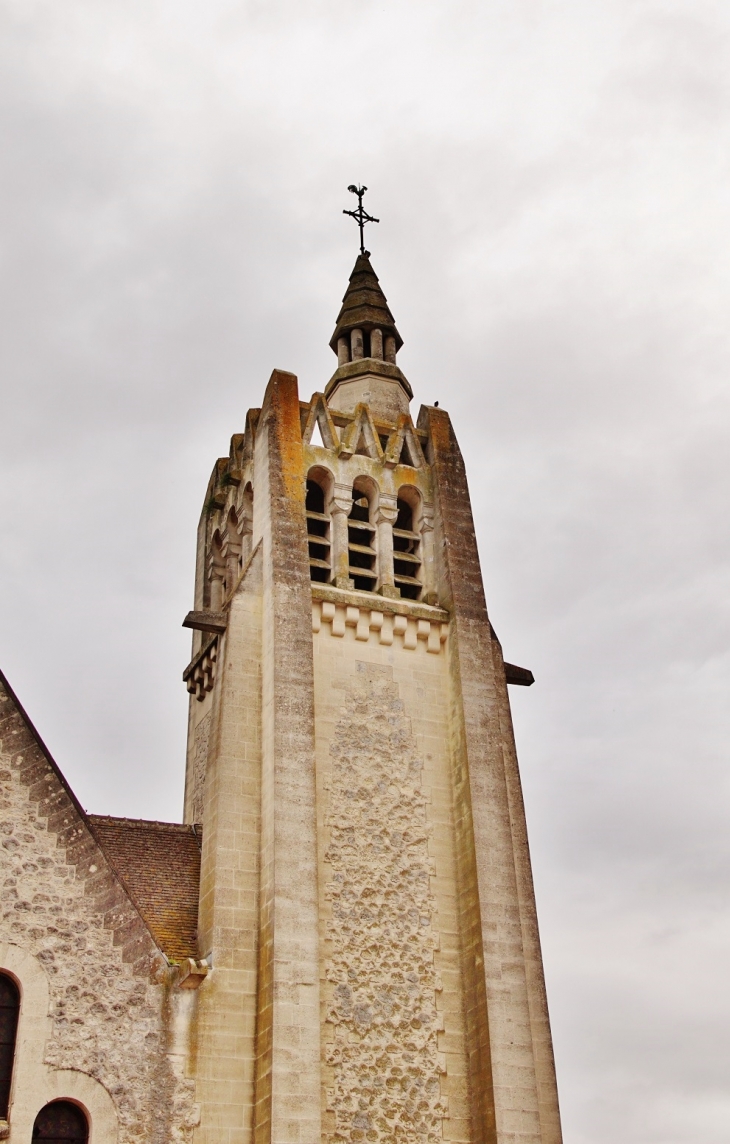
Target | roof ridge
(154,822)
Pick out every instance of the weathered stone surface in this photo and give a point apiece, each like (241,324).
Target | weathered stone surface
(102,1020)
(383,1001)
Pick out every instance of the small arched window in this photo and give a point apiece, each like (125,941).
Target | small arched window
(407,546)
(318,528)
(9,1010)
(61,1122)
(361,538)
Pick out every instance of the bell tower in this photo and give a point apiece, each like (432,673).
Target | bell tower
(366,898)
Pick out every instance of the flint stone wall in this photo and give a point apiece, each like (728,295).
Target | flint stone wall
(62,905)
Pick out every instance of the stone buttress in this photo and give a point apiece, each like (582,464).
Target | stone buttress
(366,903)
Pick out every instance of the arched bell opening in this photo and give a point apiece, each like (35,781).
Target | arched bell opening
(407,559)
(361,532)
(319,524)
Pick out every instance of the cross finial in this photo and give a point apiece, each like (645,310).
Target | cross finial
(360,216)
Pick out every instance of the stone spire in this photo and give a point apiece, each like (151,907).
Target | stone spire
(365,308)
(366,341)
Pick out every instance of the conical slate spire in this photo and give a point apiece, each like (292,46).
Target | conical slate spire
(364,306)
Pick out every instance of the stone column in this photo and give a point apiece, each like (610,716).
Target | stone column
(385,517)
(339,510)
(430,595)
(216,575)
(246,534)
(231,551)
(390,348)
(343,351)
(356,343)
(376,344)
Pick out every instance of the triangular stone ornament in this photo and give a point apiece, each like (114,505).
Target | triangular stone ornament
(319,417)
(403,446)
(360,436)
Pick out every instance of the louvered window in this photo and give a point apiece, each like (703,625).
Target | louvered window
(9,1010)
(318,534)
(361,543)
(406,553)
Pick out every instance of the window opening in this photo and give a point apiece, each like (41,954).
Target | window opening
(362,449)
(406,553)
(61,1122)
(9,1010)
(316,438)
(405,454)
(360,540)
(318,531)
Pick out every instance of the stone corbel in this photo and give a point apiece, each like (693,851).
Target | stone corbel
(206,621)
(191,973)
(188,974)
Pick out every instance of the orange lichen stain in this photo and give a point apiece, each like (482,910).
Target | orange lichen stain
(440,427)
(285,406)
(405,475)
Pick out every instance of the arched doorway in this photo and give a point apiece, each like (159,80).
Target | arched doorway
(9,1009)
(61,1122)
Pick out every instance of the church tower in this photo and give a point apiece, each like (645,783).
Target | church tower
(366,912)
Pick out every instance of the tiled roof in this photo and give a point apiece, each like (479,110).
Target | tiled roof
(159,864)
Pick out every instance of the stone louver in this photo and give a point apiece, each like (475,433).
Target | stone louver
(364,305)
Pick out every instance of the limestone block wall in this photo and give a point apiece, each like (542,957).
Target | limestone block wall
(93,1026)
(223,1060)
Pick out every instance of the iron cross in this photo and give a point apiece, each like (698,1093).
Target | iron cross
(360,216)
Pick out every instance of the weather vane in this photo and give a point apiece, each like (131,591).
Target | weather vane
(360,216)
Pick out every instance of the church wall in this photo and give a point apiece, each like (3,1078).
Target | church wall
(384,805)
(93,1026)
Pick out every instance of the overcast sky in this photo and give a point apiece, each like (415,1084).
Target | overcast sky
(552,182)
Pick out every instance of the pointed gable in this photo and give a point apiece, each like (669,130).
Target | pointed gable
(360,436)
(28,772)
(404,447)
(319,417)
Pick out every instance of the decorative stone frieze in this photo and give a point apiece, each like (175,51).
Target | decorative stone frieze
(200,674)
(407,631)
